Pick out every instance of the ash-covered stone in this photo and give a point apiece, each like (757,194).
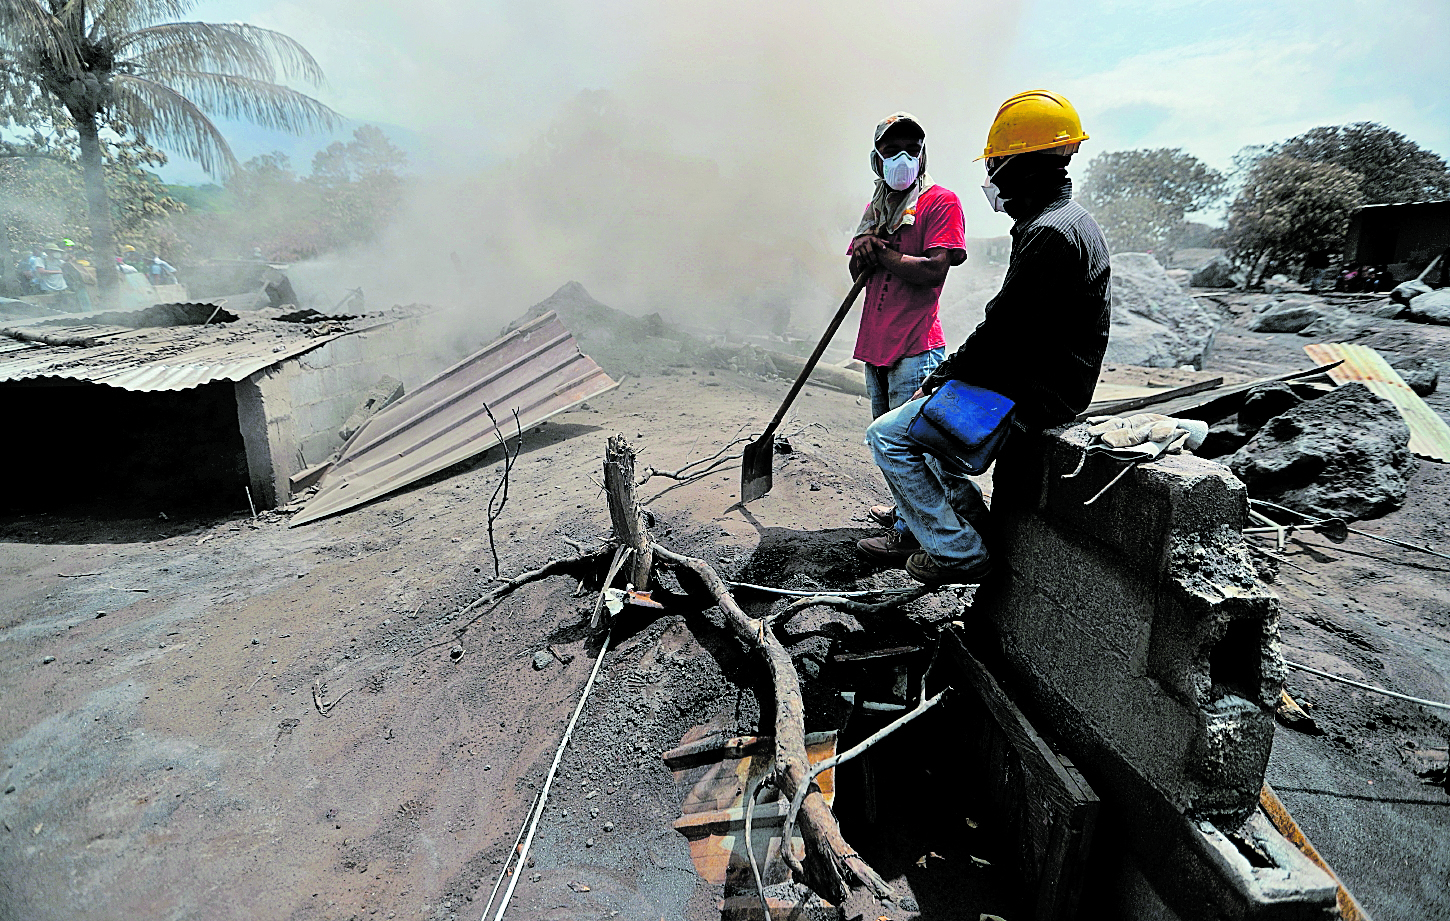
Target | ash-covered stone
(1343,455)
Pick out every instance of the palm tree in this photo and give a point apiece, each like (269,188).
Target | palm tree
(114,63)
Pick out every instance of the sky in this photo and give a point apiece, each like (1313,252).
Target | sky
(464,83)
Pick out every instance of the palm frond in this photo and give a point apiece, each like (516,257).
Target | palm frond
(230,48)
(117,17)
(30,28)
(168,117)
(270,105)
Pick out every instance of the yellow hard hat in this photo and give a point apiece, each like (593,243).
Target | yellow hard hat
(128,248)
(1034,120)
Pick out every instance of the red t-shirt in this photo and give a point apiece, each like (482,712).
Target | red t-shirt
(897,317)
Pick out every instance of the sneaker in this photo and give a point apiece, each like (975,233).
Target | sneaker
(893,547)
(884,515)
(921,567)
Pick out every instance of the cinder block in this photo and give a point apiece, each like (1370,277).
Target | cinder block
(1116,606)
(347,348)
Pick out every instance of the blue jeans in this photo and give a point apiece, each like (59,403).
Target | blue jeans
(889,386)
(893,385)
(941,508)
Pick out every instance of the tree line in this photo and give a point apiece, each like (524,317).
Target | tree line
(1288,202)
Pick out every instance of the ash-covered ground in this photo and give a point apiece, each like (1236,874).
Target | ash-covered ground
(171,762)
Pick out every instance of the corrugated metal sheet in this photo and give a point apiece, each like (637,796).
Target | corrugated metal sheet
(159,358)
(1429,435)
(536,369)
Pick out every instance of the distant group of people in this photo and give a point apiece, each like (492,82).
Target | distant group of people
(1356,278)
(69,272)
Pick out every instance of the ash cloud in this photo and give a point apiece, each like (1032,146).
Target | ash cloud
(707,160)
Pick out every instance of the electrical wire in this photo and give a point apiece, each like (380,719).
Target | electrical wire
(1368,687)
(549,781)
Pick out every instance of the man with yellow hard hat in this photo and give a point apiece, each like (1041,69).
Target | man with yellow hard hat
(1041,344)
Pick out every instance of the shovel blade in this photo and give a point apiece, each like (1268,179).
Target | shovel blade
(755,472)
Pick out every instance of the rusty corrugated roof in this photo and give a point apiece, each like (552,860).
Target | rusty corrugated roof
(536,369)
(157,358)
(1429,435)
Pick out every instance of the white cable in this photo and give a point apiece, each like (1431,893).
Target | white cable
(544,793)
(513,852)
(1368,687)
(797,593)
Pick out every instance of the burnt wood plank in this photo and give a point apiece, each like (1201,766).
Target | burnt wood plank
(1046,804)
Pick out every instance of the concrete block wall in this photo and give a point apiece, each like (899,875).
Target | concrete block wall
(1138,623)
(290,413)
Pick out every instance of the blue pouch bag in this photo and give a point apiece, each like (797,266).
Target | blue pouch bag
(963,424)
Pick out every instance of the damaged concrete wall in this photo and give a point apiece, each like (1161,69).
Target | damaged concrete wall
(290,413)
(1136,632)
(1141,619)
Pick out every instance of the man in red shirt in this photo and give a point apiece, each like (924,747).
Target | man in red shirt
(912,233)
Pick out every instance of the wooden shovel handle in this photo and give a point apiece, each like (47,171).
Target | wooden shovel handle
(816,355)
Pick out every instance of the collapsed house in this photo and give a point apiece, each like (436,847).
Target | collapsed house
(191,414)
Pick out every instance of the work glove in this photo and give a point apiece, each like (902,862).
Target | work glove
(1145,436)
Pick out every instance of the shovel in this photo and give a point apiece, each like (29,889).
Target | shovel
(755,473)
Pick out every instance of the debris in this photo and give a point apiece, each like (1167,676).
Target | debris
(980,861)
(1264,402)
(1292,715)
(442,422)
(564,657)
(1420,373)
(456,653)
(542,660)
(1218,272)
(1286,318)
(323,706)
(47,660)
(1344,455)
(1368,687)
(385,392)
(1429,435)
(578,887)
(1154,324)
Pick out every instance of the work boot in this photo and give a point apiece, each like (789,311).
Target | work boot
(921,567)
(884,515)
(891,548)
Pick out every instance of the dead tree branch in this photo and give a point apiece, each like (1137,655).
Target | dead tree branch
(685,474)
(629,528)
(551,568)
(501,491)
(855,607)
(925,704)
(831,866)
(47,339)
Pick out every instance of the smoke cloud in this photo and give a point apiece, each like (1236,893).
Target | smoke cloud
(704,159)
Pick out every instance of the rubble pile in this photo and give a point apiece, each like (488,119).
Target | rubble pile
(1156,325)
(1344,455)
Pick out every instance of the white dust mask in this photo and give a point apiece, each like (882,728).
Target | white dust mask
(900,171)
(994,194)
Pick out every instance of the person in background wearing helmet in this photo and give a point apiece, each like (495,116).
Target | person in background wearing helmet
(912,233)
(1041,343)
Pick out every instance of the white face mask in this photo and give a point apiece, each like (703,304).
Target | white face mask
(900,171)
(994,194)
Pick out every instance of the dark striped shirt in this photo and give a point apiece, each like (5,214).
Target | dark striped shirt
(1042,341)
